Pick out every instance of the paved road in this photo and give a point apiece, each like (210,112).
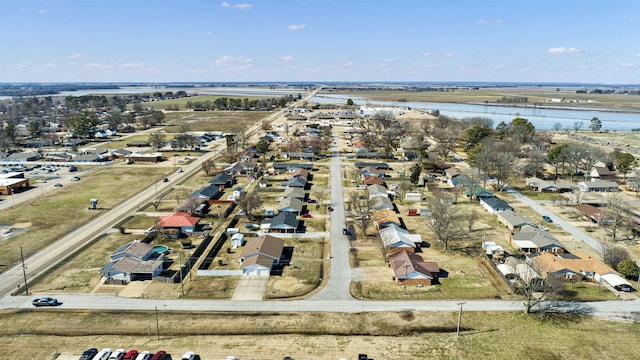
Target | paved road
(619,310)
(337,286)
(566,226)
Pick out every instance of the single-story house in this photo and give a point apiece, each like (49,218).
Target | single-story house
(303,173)
(536,241)
(592,213)
(377,190)
(373,180)
(294,192)
(290,204)
(494,205)
(385,217)
(284,222)
(513,221)
(373,165)
(395,238)
(181,221)
(240,168)
(452,172)
(153,158)
(296,182)
(260,254)
(617,282)
(381,202)
(599,173)
(598,186)
(136,249)
(477,192)
(540,185)
(222,180)
(572,267)
(208,192)
(12,185)
(410,269)
(461,181)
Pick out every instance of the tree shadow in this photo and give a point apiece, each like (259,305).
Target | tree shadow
(562,312)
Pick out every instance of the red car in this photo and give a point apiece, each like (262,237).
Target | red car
(130,355)
(160,355)
(306,216)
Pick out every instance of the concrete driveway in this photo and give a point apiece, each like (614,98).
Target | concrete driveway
(250,287)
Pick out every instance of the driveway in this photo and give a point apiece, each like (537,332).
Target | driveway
(250,287)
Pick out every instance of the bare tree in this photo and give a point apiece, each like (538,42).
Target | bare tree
(446,221)
(616,215)
(209,166)
(360,208)
(537,291)
(613,255)
(248,202)
(156,139)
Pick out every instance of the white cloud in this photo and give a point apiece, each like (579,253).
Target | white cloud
(296,27)
(489,22)
(243,6)
(75,56)
(42,11)
(348,63)
(234,63)
(563,51)
(628,65)
(287,59)
(439,54)
(132,65)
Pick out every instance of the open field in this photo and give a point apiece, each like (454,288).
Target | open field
(208,121)
(182,102)
(57,212)
(392,335)
(491,95)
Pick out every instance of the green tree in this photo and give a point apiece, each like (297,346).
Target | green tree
(350,102)
(595,125)
(556,156)
(522,130)
(415,174)
(625,162)
(473,135)
(628,268)
(82,125)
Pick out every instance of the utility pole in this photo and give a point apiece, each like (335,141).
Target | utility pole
(157,323)
(459,317)
(24,272)
(406,269)
(181,280)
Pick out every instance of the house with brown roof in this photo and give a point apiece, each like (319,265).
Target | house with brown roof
(601,173)
(580,266)
(410,269)
(299,172)
(591,213)
(385,217)
(373,180)
(260,254)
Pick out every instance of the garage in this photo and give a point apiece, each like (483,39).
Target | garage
(257,265)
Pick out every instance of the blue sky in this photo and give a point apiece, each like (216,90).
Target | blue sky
(320,40)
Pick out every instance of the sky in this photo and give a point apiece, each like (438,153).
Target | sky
(585,41)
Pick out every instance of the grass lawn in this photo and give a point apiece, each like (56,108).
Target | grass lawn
(302,275)
(306,335)
(56,213)
(224,121)
(141,222)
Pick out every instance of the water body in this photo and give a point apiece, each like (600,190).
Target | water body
(541,118)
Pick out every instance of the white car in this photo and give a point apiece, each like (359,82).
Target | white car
(189,355)
(361,187)
(117,355)
(145,355)
(102,355)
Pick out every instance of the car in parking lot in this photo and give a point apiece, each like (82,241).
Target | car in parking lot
(89,354)
(46,301)
(546,218)
(117,354)
(103,354)
(145,355)
(131,355)
(75,178)
(160,355)
(189,355)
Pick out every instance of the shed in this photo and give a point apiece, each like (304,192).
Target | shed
(236,240)
(412,212)
(413,196)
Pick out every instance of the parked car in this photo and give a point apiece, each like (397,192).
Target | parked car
(165,180)
(103,354)
(361,187)
(131,355)
(45,301)
(546,218)
(117,355)
(330,208)
(363,357)
(73,168)
(306,216)
(57,185)
(160,355)
(311,201)
(189,355)
(145,355)
(89,354)
(75,178)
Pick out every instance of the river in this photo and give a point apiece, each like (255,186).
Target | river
(541,118)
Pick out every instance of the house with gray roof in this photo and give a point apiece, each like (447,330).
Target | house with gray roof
(514,221)
(494,205)
(284,222)
(598,186)
(537,241)
(291,205)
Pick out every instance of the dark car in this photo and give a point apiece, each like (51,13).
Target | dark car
(57,185)
(363,357)
(312,201)
(45,301)
(547,219)
(89,354)
(165,180)
(330,208)
(160,355)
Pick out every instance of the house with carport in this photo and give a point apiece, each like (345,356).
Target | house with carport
(536,241)
(495,205)
(513,221)
(395,239)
